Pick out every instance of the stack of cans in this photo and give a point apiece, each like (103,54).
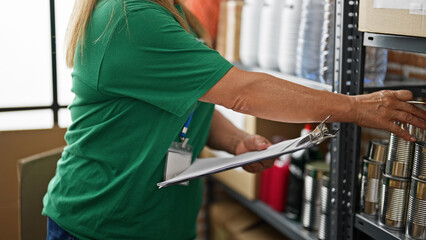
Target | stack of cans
(311,210)
(416,216)
(324,231)
(372,169)
(396,179)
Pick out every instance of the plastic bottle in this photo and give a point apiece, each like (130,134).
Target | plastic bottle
(308,47)
(290,24)
(278,185)
(296,181)
(250,24)
(376,60)
(327,44)
(269,33)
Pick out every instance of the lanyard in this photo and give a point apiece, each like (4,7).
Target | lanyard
(185,128)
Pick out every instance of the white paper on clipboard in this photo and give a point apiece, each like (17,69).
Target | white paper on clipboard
(206,166)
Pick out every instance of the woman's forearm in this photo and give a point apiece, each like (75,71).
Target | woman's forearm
(268,97)
(284,101)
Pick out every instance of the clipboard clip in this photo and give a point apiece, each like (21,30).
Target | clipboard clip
(319,134)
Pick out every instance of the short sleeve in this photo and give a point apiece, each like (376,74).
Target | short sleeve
(150,57)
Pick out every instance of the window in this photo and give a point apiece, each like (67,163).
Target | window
(34,81)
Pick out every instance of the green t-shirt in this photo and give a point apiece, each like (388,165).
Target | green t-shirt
(136,84)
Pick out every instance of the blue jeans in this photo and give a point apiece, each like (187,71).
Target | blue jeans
(55,232)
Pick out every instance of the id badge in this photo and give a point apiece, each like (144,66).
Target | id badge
(179,158)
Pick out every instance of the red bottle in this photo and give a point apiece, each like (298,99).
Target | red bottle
(278,184)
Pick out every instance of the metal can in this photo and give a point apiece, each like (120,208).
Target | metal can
(370,186)
(324,231)
(378,150)
(419,163)
(401,153)
(311,210)
(416,216)
(394,202)
(325,200)
(311,215)
(313,175)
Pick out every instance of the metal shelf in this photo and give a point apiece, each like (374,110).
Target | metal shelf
(395,42)
(370,226)
(290,78)
(290,228)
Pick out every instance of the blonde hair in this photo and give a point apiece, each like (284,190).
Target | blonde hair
(82,12)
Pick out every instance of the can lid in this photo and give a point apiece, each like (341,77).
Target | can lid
(387,176)
(418,179)
(367,160)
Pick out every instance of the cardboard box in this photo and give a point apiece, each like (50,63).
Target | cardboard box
(241,181)
(34,175)
(15,145)
(229,219)
(261,231)
(409,22)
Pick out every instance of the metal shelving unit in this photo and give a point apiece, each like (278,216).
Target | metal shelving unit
(364,224)
(399,43)
(395,42)
(370,227)
(349,55)
(290,228)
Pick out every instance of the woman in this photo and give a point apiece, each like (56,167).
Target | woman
(139,78)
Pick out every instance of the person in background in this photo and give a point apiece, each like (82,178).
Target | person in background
(144,86)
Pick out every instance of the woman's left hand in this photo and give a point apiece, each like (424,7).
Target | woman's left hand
(254,143)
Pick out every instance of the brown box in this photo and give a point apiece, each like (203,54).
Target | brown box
(262,231)
(390,21)
(229,220)
(241,181)
(15,145)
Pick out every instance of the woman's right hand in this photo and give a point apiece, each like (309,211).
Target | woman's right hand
(382,109)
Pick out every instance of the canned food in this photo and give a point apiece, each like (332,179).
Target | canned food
(401,151)
(370,185)
(416,219)
(419,163)
(323,231)
(325,203)
(378,150)
(394,202)
(372,169)
(418,188)
(416,216)
(313,175)
(311,214)
(399,168)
